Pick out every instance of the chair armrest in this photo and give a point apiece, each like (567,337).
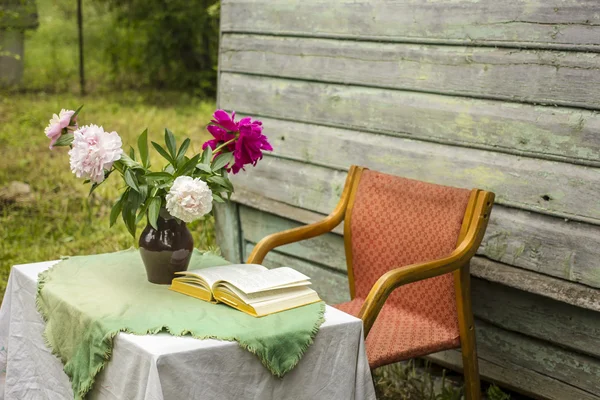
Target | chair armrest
(395,278)
(459,258)
(268,243)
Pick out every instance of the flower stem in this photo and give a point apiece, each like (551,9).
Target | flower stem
(223,145)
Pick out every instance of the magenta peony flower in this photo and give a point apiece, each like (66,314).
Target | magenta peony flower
(222,119)
(250,144)
(220,136)
(59,124)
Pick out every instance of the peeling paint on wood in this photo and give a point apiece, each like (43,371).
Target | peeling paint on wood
(506,74)
(546,132)
(571,24)
(227,228)
(512,376)
(542,186)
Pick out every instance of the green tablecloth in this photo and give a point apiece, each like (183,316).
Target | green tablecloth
(87,300)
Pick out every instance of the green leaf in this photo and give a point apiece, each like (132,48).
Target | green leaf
(158,176)
(76,113)
(170,142)
(189,166)
(143,191)
(218,198)
(116,208)
(204,167)
(129,162)
(165,185)
(94,186)
(219,180)
(153,211)
(221,161)
(182,150)
(128,214)
(163,152)
(130,207)
(132,153)
(207,155)
(142,143)
(131,180)
(64,140)
(141,214)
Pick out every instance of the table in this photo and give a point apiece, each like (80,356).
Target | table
(164,367)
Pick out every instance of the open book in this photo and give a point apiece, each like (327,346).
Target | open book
(250,288)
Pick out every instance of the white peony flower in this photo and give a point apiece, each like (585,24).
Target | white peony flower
(94,151)
(189,198)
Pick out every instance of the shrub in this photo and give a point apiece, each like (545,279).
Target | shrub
(166,44)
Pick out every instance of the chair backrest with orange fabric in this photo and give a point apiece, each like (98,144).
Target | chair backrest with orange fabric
(393,222)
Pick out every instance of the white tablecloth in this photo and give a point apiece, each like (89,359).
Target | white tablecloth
(164,367)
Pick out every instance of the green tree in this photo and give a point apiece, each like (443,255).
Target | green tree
(166,44)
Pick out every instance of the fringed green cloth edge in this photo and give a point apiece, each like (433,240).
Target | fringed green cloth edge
(86,300)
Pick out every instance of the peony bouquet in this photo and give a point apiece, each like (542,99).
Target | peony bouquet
(186,187)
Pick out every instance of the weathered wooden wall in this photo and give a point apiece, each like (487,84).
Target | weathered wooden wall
(501,95)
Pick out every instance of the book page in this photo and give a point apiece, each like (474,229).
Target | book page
(268,280)
(225,273)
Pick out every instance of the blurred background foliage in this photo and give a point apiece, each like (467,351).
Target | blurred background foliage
(128,44)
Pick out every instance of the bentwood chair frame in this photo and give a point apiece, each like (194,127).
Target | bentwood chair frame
(473,227)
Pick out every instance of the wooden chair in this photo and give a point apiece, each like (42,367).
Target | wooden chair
(408,246)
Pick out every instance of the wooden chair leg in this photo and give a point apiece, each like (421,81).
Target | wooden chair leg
(462,283)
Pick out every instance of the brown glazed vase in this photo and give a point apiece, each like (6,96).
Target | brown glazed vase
(166,250)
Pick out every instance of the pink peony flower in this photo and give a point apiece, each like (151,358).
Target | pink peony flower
(59,124)
(250,144)
(93,152)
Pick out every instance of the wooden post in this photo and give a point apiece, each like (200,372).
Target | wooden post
(80,31)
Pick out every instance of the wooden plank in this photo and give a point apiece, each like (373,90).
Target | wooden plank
(227,231)
(326,249)
(514,377)
(553,246)
(533,282)
(545,132)
(529,281)
(332,286)
(501,346)
(548,187)
(553,188)
(573,24)
(532,76)
(569,326)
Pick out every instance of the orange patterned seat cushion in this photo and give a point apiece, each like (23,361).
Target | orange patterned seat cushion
(397,222)
(399,335)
